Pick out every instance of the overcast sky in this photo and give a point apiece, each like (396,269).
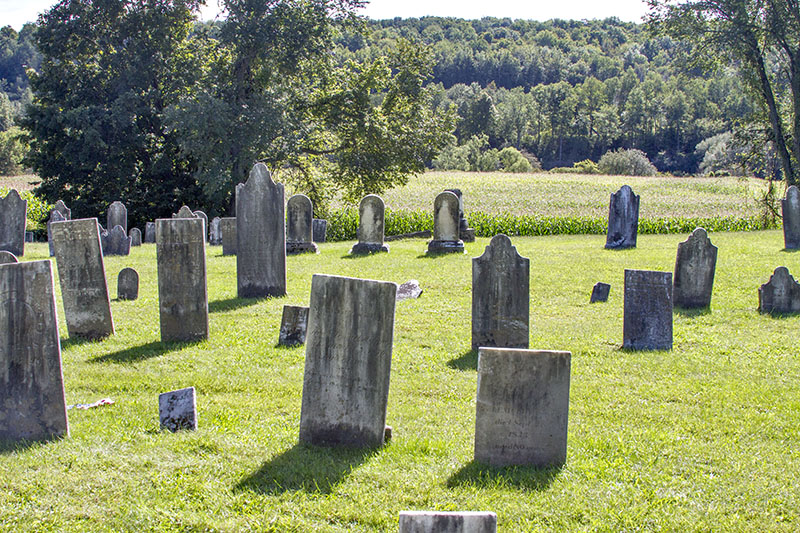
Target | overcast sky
(15,13)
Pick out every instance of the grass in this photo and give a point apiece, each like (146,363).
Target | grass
(703,437)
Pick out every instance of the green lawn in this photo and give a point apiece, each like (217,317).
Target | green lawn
(703,437)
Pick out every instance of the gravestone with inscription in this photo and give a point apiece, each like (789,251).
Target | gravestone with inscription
(7,257)
(228,228)
(127,284)
(55,216)
(647,322)
(623,219)
(600,292)
(371,212)
(117,243)
(215,232)
(695,265)
(780,295)
(177,410)
(319,227)
(446,237)
(790,211)
(136,237)
(299,214)
(448,522)
(13,217)
(150,232)
(117,215)
(293,325)
(466,233)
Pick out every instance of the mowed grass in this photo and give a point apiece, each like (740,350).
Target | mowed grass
(703,437)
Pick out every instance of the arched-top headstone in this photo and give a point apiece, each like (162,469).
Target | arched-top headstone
(215,232)
(780,295)
(55,216)
(62,208)
(695,265)
(371,212)
(466,233)
(150,232)
(136,237)
(184,212)
(7,257)
(790,211)
(13,216)
(299,214)
(127,284)
(623,219)
(200,214)
(446,237)
(117,242)
(117,215)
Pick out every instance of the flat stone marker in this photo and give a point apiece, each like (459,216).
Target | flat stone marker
(408,290)
(500,296)
(215,232)
(446,235)
(695,265)
(299,216)
(648,310)
(7,257)
(780,295)
(600,292)
(150,232)
(371,213)
(127,284)
(136,237)
(117,215)
(348,359)
(623,219)
(260,236)
(117,243)
(790,212)
(82,276)
(177,410)
(13,217)
(293,325)
(182,290)
(522,407)
(448,522)
(228,228)
(319,227)
(32,403)
(55,216)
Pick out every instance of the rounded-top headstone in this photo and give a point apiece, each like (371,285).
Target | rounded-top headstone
(117,215)
(136,237)
(695,265)
(790,212)
(623,219)
(299,214)
(7,257)
(127,284)
(62,208)
(13,217)
(445,217)
(371,213)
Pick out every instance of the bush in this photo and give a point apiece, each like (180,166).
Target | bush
(12,149)
(587,166)
(623,162)
(512,160)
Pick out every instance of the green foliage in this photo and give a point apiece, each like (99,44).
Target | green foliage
(587,166)
(38,209)
(12,150)
(512,160)
(623,162)
(474,155)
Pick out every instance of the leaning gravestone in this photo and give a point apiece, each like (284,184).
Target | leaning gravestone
(136,237)
(150,232)
(7,257)
(117,243)
(299,214)
(178,410)
(522,407)
(215,232)
(371,213)
(228,229)
(623,219)
(32,403)
(695,265)
(446,237)
(466,233)
(348,359)
(500,296)
(127,284)
(55,216)
(293,325)
(647,322)
(13,216)
(319,226)
(117,215)
(82,276)
(182,290)
(448,522)
(780,295)
(600,292)
(790,211)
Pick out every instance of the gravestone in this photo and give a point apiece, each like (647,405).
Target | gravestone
(371,212)
(522,407)
(117,215)
(82,276)
(117,243)
(348,359)
(408,290)
(13,216)
(319,227)
(623,219)
(184,212)
(127,284)
(445,225)
(260,236)
(150,232)
(694,271)
(790,211)
(55,216)
(177,410)
(204,217)
(448,522)
(466,233)
(7,257)
(215,232)
(227,226)
(299,214)
(182,290)
(293,325)
(136,237)
(780,295)
(600,292)
(32,403)
(62,208)
(647,323)
(103,238)
(29,237)
(500,296)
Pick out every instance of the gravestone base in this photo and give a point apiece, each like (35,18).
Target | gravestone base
(296,248)
(368,248)
(446,247)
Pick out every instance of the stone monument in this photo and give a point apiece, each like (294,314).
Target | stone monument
(466,233)
(600,292)
(319,227)
(780,295)
(118,242)
(13,217)
(117,215)
(790,211)
(647,321)
(136,236)
(227,227)
(623,219)
(448,522)
(371,212)
(299,214)
(695,265)
(55,216)
(445,225)
(293,325)
(127,284)
(177,410)
(150,232)
(215,232)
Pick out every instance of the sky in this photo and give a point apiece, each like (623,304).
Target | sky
(15,13)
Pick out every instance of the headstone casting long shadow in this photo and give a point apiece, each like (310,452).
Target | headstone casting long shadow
(522,477)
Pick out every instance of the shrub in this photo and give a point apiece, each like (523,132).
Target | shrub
(12,149)
(38,209)
(512,160)
(587,166)
(623,162)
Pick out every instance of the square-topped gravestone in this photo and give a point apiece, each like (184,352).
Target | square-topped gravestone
(299,214)
(150,232)
(600,292)
(117,242)
(623,219)
(55,216)
(293,325)
(522,407)
(228,229)
(371,213)
(127,284)
(647,321)
(7,257)
(695,265)
(446,233)
(136,237)
(319,228)
(215,232)
(82,276)
(177,410)
(448,522)
(790,213)
(117,215)
(13,217)
(32,403)
(780,295)
(348,360)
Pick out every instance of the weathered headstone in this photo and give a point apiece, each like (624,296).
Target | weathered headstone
(445,225)
(215,232)
(7,257)
(299,214)
(150,232)
(500,296)
(29,236)
(229,242)
(182,289)
(117,215)
(408,290)
(293,325)
(647,321)
(204,217)
(62,208)
(55,216)
(13,216)
(600,292)
(103,238)
(136,237)
(466,233)
(780,295)
(790,211)
(695,265)
(371,212)
(82,276)
(623,219)
(348,359)
(184,212)
(319,227)
(117,243)
(127,284)
(448,522)
(32,403)
(522,407)
(177,410)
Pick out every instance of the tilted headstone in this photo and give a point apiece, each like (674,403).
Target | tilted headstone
(182,289)
(695,265)
(448,522)
(408,290)
(348,359)
(150,232)
(127,284)
(55,216)
(623,219)
(790,211)
(299,214)
(117,215)
(261,236)
(228,228)
(117,243)
(371,212)
(82,276)
(500,296)
(177,410)
(204,217)
(319,227)
(522,407)
(7,257)
(600,292)
(466,233)
(13,217)
(446,237)
(136,237)
(215,232)
(32,403)
(780,295)
(293,325)
(647,321)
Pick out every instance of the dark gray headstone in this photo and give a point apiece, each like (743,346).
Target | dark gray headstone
(150,232)
(448,522)
(117,243)
(55,216)
(623,219)
(117,215)
(7,257)
(319,227)
(299,214)
(215,232)
(446,233)
(409,290)
(29,236)
(648,310)
(780,295)
(136,237)
(600,292)
(202,215)
(348,359)
(182,290)
(293,325)
(13,217)
(695,265)
(177,410)
(371,212)
(228,228)
(32,403)
(500,296)
(790,211)
(127,284)
(466,233)
(103,238)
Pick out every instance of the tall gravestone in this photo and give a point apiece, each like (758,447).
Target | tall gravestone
(446,235)
(780,295)
(348,360)
(150,232)
(7,257)
(695,265)
(228,228)
(261,236)
(623,219)
(215,232)
(371,212)
(32,402)
(448,522)
(136,237)
(127,284)
(55,216)
(647,322)
(522,407)
(118,242)
(790,211)
(117,215)
(319,227)
(466,233)
(13,216)
(204,217)
(500,296)
(182,289)
(299,216)
(82,276)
